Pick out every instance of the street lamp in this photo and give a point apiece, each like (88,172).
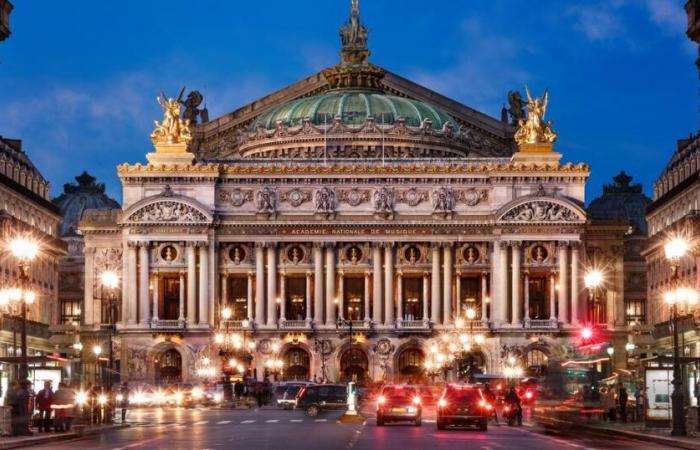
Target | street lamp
(592,280)
(24,250)
(674,250)
(97,351)
(110,280)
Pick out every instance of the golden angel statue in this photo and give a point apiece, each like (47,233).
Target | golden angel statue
(534,129)
(173,129)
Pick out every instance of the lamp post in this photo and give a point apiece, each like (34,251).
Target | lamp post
(110,280)
(97,351)
(675,249)
(592,280)
(24,250)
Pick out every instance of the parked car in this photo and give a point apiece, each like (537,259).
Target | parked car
(288,399)
(399,403)
(323,397)
(463,405)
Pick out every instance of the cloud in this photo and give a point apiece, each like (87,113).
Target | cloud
(597,22)
(668,15)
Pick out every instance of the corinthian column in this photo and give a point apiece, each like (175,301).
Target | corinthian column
(259,316)
(526,287)
(249,297)
(516,317)
(318,283)
(271,284)
(156,295)
(133,292)
(309,287)
(203,284)
(503,283)
(399,297)
(484,296)
(143,283)
(191,284)
(574,283)
(89,301)
(563,284)
(367,295)
(426,295)
(552,296)
(389,284)
(330,284)
(283,297)
(377,283)
(181,303)
(447,284)
(435,284)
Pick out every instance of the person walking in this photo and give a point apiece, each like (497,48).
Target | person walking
(22,409)
(638,404)
(44,401)
(64,405)
(622,399)
(124,403)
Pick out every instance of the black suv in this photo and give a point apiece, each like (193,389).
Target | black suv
(323,397)
(463,405)
(399,403)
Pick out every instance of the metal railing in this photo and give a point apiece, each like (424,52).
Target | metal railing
(413,324)
(166,323)
(294,324)
(542,323)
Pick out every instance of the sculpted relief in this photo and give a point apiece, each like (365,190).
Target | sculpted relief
(167,211)
(107,259)
(324,200)
(443,200)
(541,211)
(296,197)
(384,202)
(236,197)
(266,200)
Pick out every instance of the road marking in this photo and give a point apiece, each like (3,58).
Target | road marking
(296,421)
(272,421)
(201,422)
(223,422)
(321,420)
(247,421)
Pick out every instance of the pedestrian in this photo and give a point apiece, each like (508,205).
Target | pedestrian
(259,394)
(604,403)
(611,403)
(638,404)
(622,399)
(64,405)
(44,400)
(124,403)
(22,409)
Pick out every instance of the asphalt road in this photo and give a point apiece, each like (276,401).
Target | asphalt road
(175,429)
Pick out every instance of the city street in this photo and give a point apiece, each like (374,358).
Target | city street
(175,429)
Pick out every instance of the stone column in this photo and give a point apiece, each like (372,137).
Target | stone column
(435,285)
(271,284)
(341,294)
(203,284)
(330,285)
(502,301)
(212,284)
(516,317)
(133,290)
(181,305)
(191,284)
(259,316)
(484,296)
(143,283)
(377,284)
(399,297)
(574,283)
(156,295)
(283,297)
(249,297)
(458,294)
(367,296)
(389,284)
(318,283)
(426,295)
(89,301)
(309,287)
(563,284)
(552,296)
(526,288)
(223,301)
(447,284)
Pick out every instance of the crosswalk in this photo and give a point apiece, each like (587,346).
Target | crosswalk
(175,425)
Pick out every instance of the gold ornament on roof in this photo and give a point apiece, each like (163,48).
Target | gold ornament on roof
(173,129)
(534,129)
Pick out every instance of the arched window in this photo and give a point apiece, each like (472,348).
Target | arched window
(536,362)
(354,365)
(297,364)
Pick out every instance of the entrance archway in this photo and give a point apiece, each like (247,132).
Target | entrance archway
(168,367)
(536,362)
(297,364)
(354,366)
(410,366)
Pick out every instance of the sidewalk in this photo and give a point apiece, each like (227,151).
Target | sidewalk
(634,430)
(45,438)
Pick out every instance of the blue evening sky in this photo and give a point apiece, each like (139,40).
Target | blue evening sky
(78,79)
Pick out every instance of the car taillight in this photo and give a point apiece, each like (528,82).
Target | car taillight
(301,392)
(482,403)
(416,400)
(528,395)
(507,409)
(381,399)
(488,406)
(442,403)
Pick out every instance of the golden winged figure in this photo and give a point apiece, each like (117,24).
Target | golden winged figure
(534,129)
(173,129)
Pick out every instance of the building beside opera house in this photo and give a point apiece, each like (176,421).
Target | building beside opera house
(347,222)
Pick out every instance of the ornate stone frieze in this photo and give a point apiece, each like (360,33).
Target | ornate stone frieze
(168,211)
(540,211)
(383,202)
(413,254)
(266,200)
(354,196)
(296,197)
(412,197)
(473,253)
(136,362)
(443,199)
(324,200)
(472,197)
(236,197)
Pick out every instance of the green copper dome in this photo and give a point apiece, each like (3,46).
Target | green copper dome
(354,106)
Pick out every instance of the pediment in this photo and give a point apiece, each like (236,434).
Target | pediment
(541,209)
(167,210)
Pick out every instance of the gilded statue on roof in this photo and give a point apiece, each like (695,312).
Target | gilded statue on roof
(534,129)
(173,129)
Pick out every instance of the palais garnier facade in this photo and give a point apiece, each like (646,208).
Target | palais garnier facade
(350,226)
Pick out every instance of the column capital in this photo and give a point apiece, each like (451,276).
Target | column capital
(319,245)
(368,273)
(504,245)
(447,244)
(575,245)
(389,244)
(330,245)
(426,274)
(435,245)
(309,273)
(259,244)
(562,244)
(515,244)
(250,274)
